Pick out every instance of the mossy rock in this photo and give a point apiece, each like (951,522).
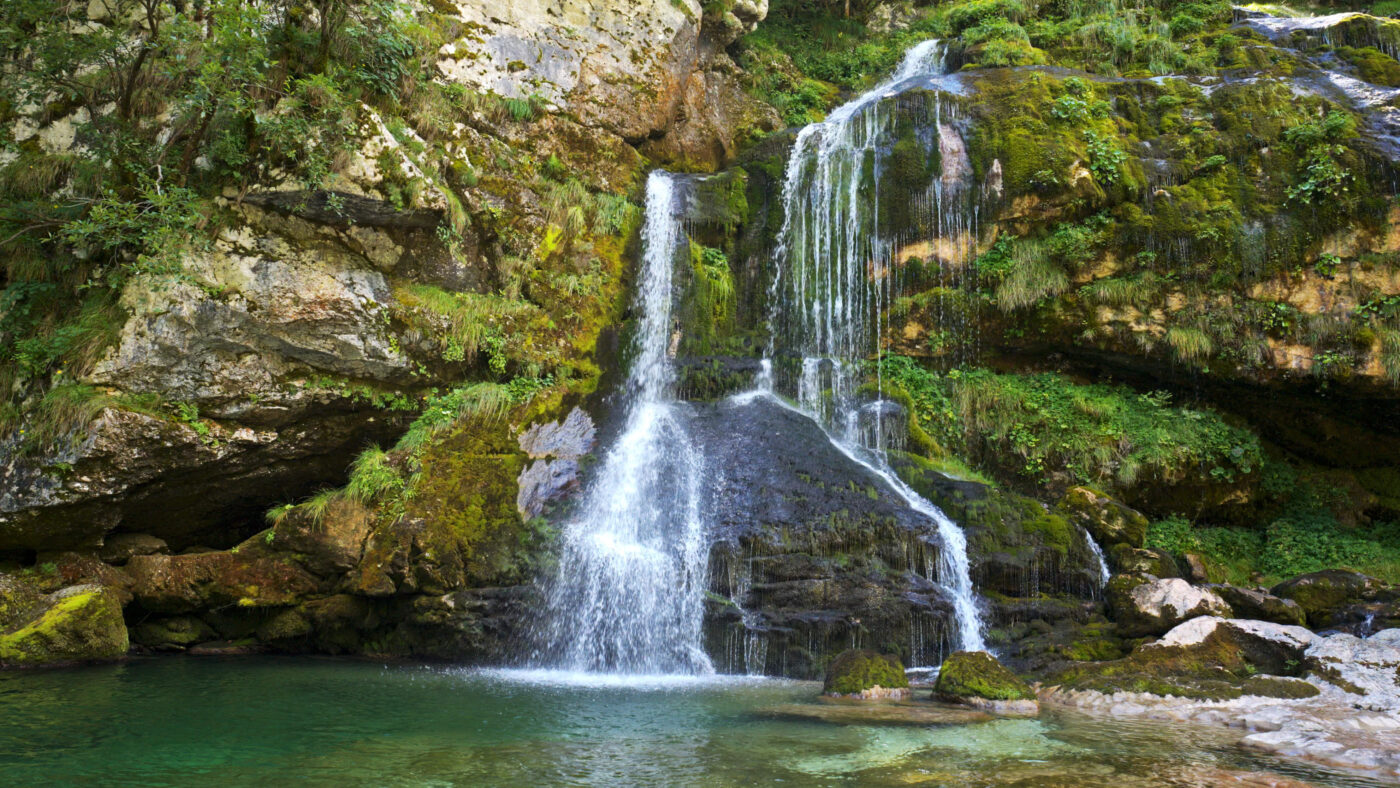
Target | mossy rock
(978,675)
(81,624)
(856,671)
(1107,520)
(1321,594)
(1219,663)
(175,633)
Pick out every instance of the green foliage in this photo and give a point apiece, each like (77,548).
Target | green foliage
(1299,541)
(1322,174)
(1028,425)
(372,477)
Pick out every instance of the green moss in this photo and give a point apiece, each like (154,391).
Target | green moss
(853,672)
(82,626)
(1275,687)
(977,674)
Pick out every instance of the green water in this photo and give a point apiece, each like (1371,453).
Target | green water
(269,721)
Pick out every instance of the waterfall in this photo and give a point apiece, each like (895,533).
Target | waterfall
(628,596)
(1104,574)
(832,291)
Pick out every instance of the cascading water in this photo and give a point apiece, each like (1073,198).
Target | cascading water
(831,295)
(629,593)
(1099,559)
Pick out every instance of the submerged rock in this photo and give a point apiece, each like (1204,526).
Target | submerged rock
(867,675)
(977,679)
(846,712)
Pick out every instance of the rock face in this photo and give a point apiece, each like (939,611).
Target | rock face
(81,623)
(637,70)
(977,679)
(811,550)
(1145,605)
(865,674)
(556,448)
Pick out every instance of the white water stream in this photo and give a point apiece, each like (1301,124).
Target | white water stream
(831,293)
(629,593)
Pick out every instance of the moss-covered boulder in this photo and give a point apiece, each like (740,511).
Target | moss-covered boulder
(76,624)
(866,674)
(1322,594)
(1109,521)
(976,678)
(1207,658)
(1146,605)
(1143,561)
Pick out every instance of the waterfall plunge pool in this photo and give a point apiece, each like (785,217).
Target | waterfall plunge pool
(176,721)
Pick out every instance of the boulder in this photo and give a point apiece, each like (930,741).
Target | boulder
(1321,594)
(1146,605)
(1206,658)
(250,577)
(1260,605)
(866,674)
(1266,646)
(119,548)
(75,624)
(171,634)
(1144,561)
(1109,521)
(977,679)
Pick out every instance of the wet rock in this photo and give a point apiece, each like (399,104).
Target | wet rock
(811,549)
(977,679)
(1207,658)
(1109,521)
(569,439)
(556,448)
(867,675)
(76,624)
(1145,605)
(1260,605)
(1321,594)
(176,633)
(119,548)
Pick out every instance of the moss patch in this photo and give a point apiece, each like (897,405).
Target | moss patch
(977,674)
(854,672)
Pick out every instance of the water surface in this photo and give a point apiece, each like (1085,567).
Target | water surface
(322,722)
